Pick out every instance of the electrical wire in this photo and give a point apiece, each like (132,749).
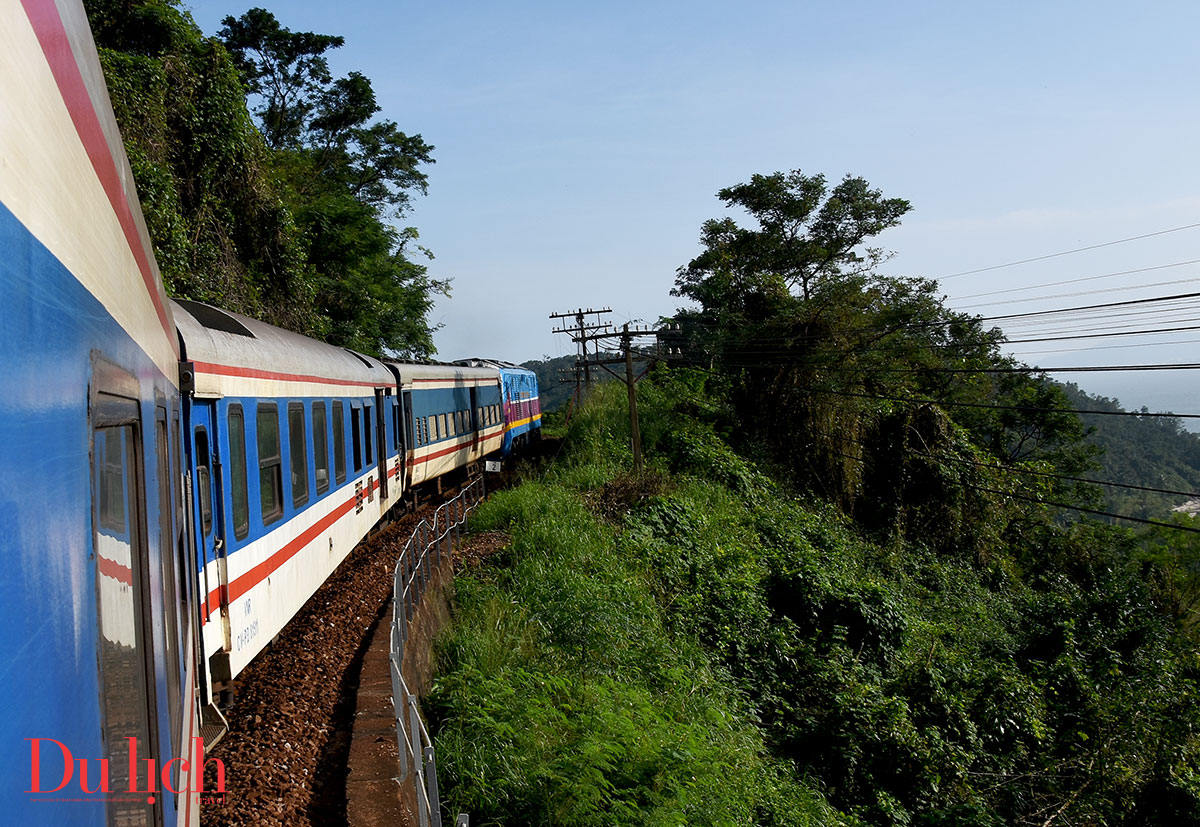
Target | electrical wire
(1122,289)
(1025,408)
(1080,508)
(1078,280)
(1029,471)
(1066,252)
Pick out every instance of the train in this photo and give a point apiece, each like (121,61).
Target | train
(176,480)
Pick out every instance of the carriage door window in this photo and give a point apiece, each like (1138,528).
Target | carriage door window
(367,413)
(120,553)
(356,437)
(321,447)
(239,492)
(298,456)
(339,443)
(204,482)
(270,465)
(170,588)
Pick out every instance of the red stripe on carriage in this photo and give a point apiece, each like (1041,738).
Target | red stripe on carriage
(113,569)
(461,446)
(255,373)
(52,35)
(266,568)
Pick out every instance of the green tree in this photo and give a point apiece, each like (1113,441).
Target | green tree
(806,232)
(348,178)
(867,388)
(287,69)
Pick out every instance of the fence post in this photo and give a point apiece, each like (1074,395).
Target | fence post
(414,722)
(431,786)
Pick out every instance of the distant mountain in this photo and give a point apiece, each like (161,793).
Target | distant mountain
(1150,451)
(556,385)
(553,391)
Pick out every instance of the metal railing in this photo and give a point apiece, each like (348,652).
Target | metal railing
(421,558)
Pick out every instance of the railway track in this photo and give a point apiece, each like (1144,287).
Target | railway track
(290,721)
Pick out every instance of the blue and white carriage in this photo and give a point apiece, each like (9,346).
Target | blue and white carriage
(98,636)
(175,481)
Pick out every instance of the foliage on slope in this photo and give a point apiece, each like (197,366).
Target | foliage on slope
(1151,451)
(1039,682)
(564,699)
(289,233)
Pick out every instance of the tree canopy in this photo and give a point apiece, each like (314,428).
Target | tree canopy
(291,214)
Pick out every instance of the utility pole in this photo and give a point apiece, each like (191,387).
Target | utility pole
(631,383)
(580,335)
(583,333)
(626,335)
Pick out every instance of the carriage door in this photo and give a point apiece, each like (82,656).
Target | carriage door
(410,440)
(121,556)
(381,451)
(476,425)
(210,546)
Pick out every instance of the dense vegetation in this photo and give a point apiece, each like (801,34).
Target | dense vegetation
(849,565)
(1147,450)
(289,218)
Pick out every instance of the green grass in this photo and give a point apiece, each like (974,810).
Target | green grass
(563,698)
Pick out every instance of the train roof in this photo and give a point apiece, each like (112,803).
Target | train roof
(231,352)
(410,372)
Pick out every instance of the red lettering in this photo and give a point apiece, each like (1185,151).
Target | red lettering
(150,777)
(166,775)
(103,776)
(35,759)
(198,761)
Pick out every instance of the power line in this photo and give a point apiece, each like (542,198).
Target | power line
(1081,293)
(1067,252)
(1068,478)
(1078,280)
(1094,511)
(1028,408)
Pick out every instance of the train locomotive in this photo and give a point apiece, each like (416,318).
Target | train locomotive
(175,480)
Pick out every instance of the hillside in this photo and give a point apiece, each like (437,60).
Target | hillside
(269,187)
(701,644)
(1150,451)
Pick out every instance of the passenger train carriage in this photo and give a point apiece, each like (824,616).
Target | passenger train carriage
(175,480)
(521,406)
(97,616)
(294,465)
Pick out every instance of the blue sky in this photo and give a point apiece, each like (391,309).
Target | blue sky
(580,146)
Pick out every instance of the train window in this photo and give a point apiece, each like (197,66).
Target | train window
(111,498)
(321,447)
(203,482)
(120,552)
(433,429)
(442,428)
(339,443)
(237,471)
(356,437)
(451,430)
(270,464)
(298,455)
(479,416)
(368,434)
